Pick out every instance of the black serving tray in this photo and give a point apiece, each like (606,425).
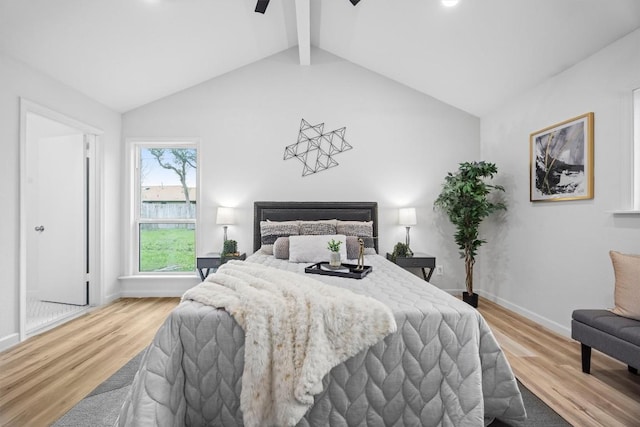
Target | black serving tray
(352,273)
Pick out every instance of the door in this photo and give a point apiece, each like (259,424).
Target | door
(57,205)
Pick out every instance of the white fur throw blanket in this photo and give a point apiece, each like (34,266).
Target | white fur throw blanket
(296,330)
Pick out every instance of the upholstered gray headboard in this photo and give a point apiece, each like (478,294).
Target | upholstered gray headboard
(312,211)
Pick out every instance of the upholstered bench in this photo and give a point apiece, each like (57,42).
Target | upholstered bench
(617,336)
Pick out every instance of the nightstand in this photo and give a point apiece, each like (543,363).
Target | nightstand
(212,261)
(418,260)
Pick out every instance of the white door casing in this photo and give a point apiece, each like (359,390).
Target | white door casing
(90,258)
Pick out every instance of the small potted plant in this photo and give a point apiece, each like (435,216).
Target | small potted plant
(230,249)
(401,250)
(334,254)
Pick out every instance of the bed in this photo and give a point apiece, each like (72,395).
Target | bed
(442,367)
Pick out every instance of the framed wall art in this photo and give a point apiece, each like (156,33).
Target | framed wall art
(561,161)
(315,148)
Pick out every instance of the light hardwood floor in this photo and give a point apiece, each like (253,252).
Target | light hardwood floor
(45,376)
(549,365)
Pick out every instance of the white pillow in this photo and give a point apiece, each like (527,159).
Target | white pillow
(315,248)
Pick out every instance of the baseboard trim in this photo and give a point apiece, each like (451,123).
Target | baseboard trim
(547,323)
(454,292)
(111,298)
(152,293)
(9,341)
(156,286)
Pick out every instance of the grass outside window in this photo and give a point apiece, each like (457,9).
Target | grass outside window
(167,248)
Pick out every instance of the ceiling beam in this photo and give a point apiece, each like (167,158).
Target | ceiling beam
(303,22)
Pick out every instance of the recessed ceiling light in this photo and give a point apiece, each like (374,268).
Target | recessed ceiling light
(450,3)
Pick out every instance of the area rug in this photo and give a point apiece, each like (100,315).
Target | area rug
(538,413)
(101,407)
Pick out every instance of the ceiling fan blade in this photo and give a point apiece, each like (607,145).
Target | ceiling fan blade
(261,6)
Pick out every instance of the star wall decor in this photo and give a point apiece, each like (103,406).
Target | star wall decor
(316,149)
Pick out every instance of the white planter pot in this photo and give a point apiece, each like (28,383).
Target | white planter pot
(334,259)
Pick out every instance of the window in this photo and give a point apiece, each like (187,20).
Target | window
(165,216)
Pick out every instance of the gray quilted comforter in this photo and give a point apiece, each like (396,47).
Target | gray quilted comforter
(442,368)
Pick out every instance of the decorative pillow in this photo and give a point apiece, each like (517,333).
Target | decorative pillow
(353,247)
(626,269)
(271,230)
(318,227)
(281,248)
(314,248)
(362,229)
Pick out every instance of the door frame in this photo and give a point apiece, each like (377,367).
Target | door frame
(94,202)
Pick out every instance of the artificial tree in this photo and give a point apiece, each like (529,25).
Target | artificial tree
(465,200)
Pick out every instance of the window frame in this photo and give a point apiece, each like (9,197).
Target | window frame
(635,121)
(135,147)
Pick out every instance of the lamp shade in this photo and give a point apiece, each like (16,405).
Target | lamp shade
(225,216)
(407,216)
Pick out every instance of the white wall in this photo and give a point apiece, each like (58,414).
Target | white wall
(543,259)
(18,80)
(548,259)
(404,144)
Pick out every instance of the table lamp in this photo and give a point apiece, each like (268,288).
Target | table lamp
(407,217)
(225,218)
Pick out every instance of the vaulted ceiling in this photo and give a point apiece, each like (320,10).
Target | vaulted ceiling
(475,56)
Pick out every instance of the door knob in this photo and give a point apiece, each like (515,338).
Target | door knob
(40,228)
